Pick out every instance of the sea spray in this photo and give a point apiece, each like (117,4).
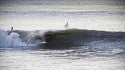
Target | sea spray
(35,37)
(14,40)
(20,39)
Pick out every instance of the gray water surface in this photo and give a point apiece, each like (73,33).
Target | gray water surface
(13,59)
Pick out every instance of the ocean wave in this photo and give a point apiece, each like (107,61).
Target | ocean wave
(88,40)
(75,38)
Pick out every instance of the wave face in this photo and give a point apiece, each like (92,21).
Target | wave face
(78,38)
(100,43)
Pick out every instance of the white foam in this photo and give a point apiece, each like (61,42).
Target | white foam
(14,39)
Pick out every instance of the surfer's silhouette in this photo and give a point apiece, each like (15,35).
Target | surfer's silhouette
(11,28)
(66,25)
(10,31)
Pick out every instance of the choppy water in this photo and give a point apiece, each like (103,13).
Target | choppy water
(13,59)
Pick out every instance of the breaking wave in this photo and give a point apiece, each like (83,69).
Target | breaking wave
(20,39)
(85,40)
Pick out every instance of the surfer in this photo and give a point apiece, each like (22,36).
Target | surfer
(66,25)
(11,28)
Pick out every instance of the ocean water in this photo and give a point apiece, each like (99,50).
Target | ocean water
(29,46)
(11,59)
(21,50)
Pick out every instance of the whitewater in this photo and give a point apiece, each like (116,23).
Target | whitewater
(20,39)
